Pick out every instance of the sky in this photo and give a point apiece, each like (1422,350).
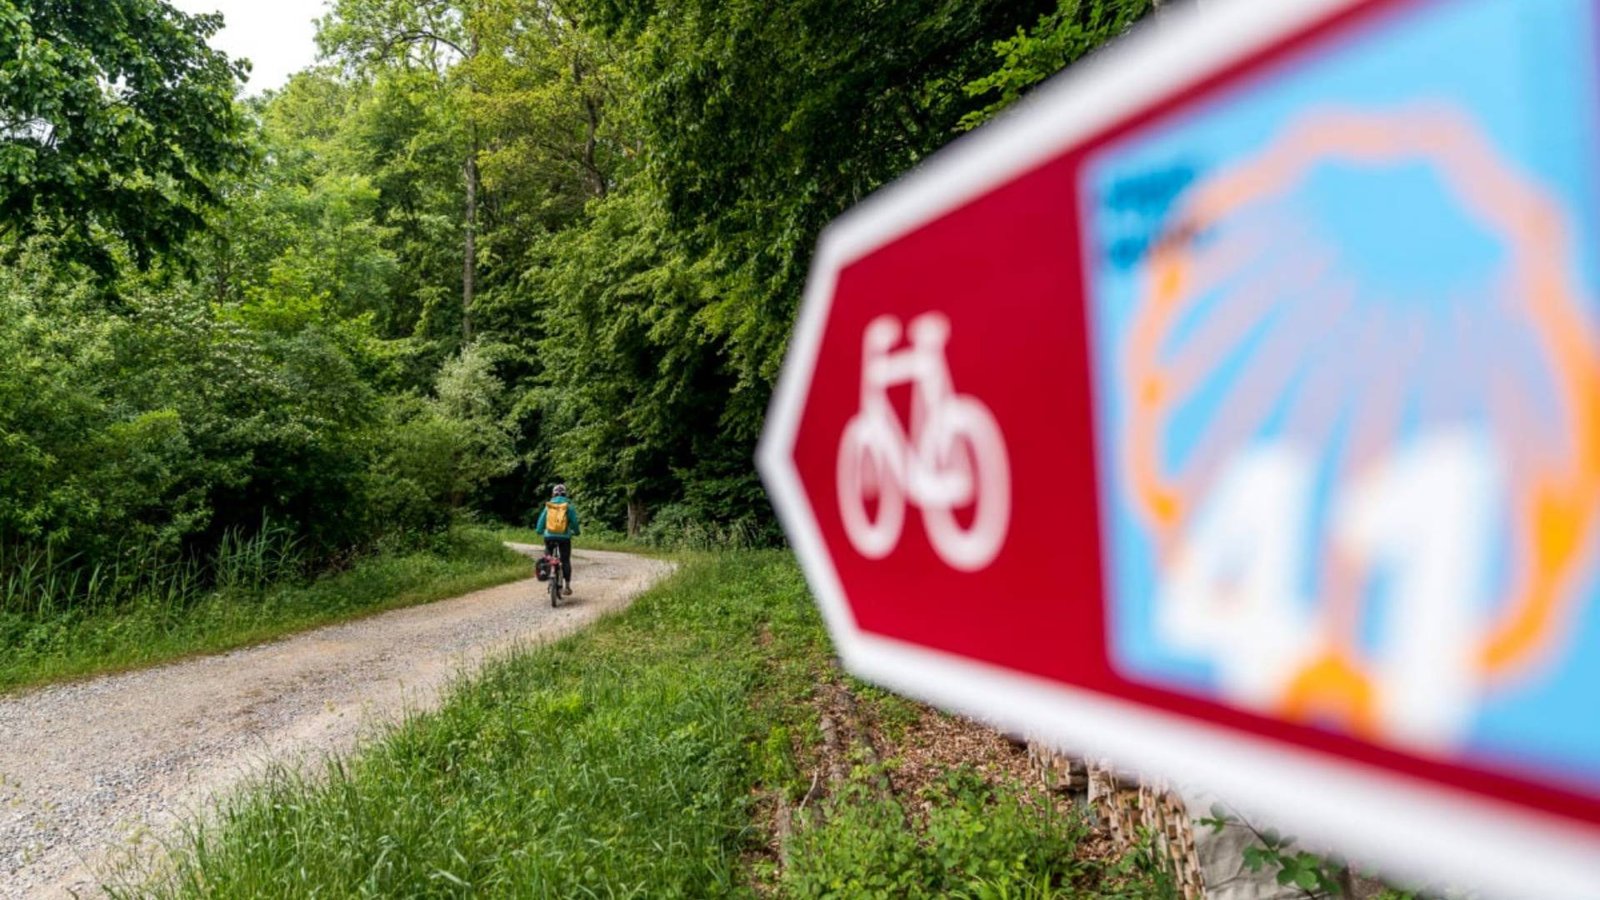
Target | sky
(277,36)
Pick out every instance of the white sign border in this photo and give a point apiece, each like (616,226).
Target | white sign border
(1423,831)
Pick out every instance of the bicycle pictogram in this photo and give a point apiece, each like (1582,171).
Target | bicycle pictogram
(951,458)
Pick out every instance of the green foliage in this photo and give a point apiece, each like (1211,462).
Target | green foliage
(485,246)
(626,383)
(436,451)
(151,434)
(832,101)
(1072,31)
(653,325)
(682,526)
(544,88)
(358,212)
(973,839)
(118,122)
(431,34)
(1314,876)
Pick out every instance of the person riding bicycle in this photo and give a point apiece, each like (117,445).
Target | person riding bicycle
(558,524)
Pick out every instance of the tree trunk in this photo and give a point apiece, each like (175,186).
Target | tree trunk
(469,256)
(597,180)
(636,515)
(591,109)
(224,279)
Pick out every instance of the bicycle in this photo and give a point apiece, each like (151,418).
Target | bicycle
(552,564)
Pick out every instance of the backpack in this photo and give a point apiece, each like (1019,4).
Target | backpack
(555,518)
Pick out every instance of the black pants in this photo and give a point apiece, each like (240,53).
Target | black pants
(561,547)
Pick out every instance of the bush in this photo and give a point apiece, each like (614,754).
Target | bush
(435,453)
(145,429)
(138,418)
(680,526)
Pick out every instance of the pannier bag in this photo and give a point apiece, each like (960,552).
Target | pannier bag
(541,568)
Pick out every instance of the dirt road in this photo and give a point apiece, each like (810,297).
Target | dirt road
(90,772)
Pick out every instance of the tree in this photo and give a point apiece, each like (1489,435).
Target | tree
(546,91)
(1072,31)
(299,239)
(436,452)
(117,120)
(759,122)
(432,36)
(548,83)
(627,378)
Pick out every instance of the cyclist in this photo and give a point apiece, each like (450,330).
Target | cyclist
(558,523)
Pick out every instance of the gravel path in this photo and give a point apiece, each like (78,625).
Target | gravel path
(91,771)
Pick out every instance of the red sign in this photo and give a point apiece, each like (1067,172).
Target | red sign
(1229,411)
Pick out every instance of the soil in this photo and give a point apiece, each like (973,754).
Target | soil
(93,774)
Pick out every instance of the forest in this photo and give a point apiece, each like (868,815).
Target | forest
(482,246)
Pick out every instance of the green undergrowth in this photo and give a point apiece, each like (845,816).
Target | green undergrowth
(614,541)
(636,759)
(154,628)
(962,836)
(675,530)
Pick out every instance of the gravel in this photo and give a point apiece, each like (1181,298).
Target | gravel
(94,774)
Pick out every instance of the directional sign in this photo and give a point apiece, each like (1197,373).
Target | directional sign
(1232,409)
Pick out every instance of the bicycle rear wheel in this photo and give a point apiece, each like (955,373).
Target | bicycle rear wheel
(555,586)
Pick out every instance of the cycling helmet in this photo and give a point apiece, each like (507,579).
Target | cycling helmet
(559,490)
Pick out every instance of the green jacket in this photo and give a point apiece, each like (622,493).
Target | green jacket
(572,520)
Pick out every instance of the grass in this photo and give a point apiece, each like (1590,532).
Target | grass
(634,759)
(590,540)
(55,644)
(971,838)
(673,529)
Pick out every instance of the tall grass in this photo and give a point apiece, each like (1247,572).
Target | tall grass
(681,527)
(49,580)
(61,620)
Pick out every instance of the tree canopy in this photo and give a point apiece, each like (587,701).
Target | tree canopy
(482,246)
(119,123)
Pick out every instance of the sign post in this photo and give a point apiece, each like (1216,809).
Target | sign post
(1232,410)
